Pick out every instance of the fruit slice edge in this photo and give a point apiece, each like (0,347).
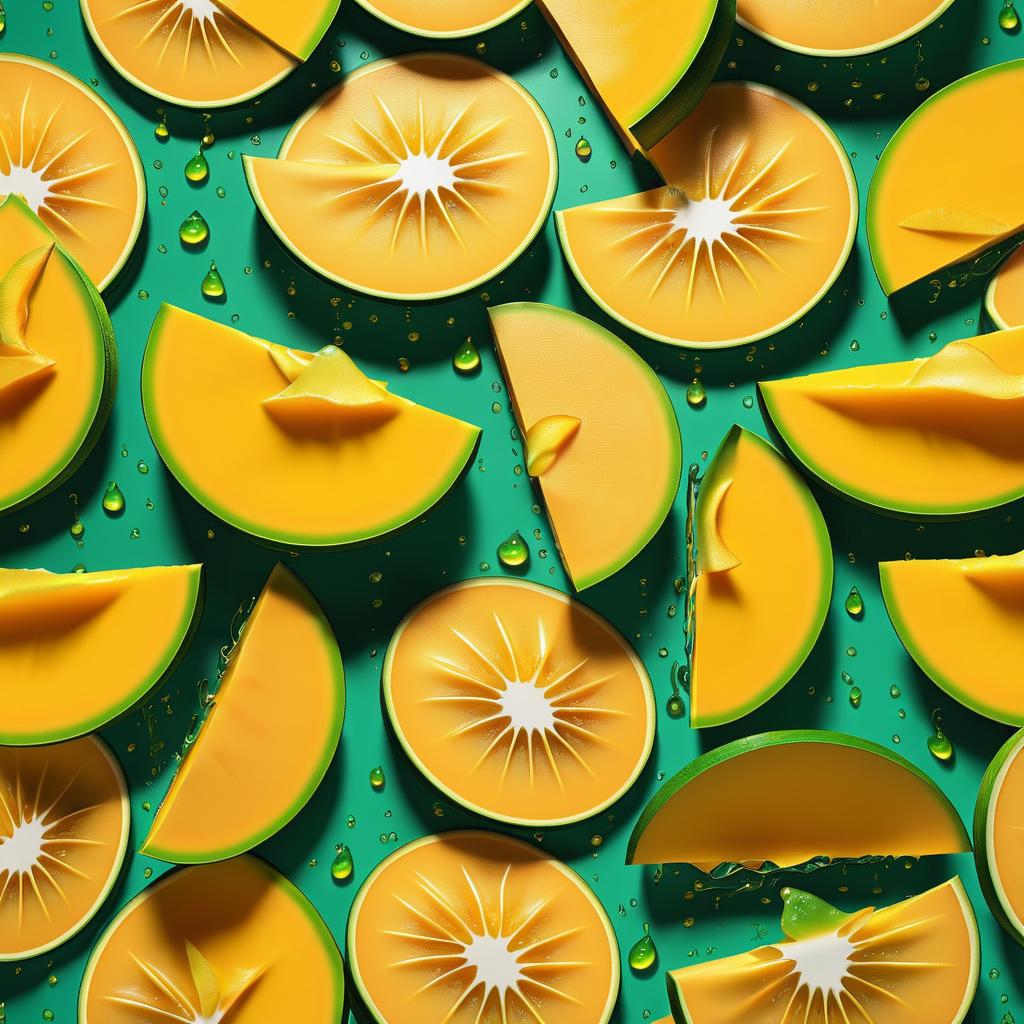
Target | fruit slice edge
(392,13)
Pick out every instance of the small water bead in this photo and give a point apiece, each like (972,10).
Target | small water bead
(213,284)
(207,140)
(696,396)
(856,695)
(1009,20)
(895,692)
(47,1015)
(142,466)
(513,551)
(194,230)
(643,954)
(343,865)
(940,746)
(854,604)
(467,357)
(197,170)
(377,777)
(113,499)
(674,706)
(162,132)
(583,149)
(748,402)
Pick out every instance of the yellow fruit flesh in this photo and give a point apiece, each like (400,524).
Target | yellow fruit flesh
(1005,298)
(443,17)
(1004,830)
(294,28)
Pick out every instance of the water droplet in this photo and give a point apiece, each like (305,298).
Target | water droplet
(113,499)
(467,358)
(674,706)
(77,530)
(341,868)
(584,150)
(644,953)
(162,132)
(940,746)
(1009,20)
(197,169)
(142,466)
(513,552)
(213,284)
(194,230)
(377,777)
(854,604)
(47,1015)
(895,692)
(856,695)
(207,140)
(994,974)
(696,396)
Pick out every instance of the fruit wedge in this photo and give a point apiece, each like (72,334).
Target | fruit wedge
(294,448)
(58,359)
(793,796)
(753,225)
(268,737)
(233,941)
(936,436)
(79,649)
(470,927)
(919,222)
(444,19)
(1004,297)
(999,836)
(64,821)
(601,438)
(72,160)
(437,170)
(518,702)
(764,572)
(295,28)
(914,961)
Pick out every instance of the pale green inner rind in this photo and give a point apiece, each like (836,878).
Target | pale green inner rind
(370,6)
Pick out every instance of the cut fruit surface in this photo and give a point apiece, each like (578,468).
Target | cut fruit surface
(477,928)
(275,721)
(63,833)
(279,443)
(936,436)
(755,222)
(518,702)
(294,28)
(764,572)
(913,962)
(436,169)
(129,625)
(608,484)
(918,222)
(444,19)
(234,941)
(867,800)
(1004,297)
(72,160)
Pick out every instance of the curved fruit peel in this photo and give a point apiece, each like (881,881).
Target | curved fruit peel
(444,21)
(295,28)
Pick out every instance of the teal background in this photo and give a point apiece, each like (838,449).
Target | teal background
(270,295)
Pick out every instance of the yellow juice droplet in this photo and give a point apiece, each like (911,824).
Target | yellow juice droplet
(377,777)
(584,150)
(113,499)
(854,604)
(213,284)
(643,954)
(1009,19)
(162,132)
(194,230)
(467,358)
(343,865)
(3,18)
(696,396)
(197,169)
(513,551)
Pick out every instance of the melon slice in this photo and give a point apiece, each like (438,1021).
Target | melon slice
(72,160)
(64,822)
(268,737)
(282,444)
(919,222)
(295,28)
(755,221)
(233,941)
(936,436)
(128,627)
(764,572)
(794,796)
(518,702)
(444,19)
(601,437)
(477,928)
(436,170)
(915,961)
(1004,297)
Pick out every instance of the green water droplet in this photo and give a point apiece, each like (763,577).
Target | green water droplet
(643,953)
(213,284)
(674,706)
(584,150)
(467,358)
(895,692)
(162,132)
(194,230)
(113,499)
(854,604)
(208,140)
(856,695)
(1009,20)
(343,864)
(3,18)
(142,466)
(513,552)
(940,746)
(47,1015)
(198,168)
(696,396)
(377,777)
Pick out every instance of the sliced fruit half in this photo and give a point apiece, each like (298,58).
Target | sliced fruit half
(296,29)
(294,448)
(1004,297)
(64,821)
(793,796)
(918,222)
(437,170)
(233,941)
(268,737)
(602,440)
(755,221)
(937,436)
(467,927)
(72,160)
(764,572)
(444,19)
(917,960)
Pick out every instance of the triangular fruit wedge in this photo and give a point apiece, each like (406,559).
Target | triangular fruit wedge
(79,649)
(1004,297)
(294,28)
(608,481)
(795,796)
(268,737)
(285,445)
(764,572)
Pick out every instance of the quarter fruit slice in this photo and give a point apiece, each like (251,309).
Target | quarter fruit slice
(63,832)
(518,702)
(1004,298)
(601,438)
(444,19)
(471,927)
(437,170)
(794,796)
(268,737)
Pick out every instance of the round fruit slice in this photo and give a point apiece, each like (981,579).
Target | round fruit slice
(518,702)
(128,627)
(936,436)
(1004,298)
(67,153)
(794,796)
(764,572)
(437,170)
(444,19)
(296,449)
(233,941)
(469,927)
(919,222)
(915,961)
(755,222)
(268,737)
(64,821)
(602,440)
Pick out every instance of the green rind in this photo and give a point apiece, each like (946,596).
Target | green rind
(369,6)
(312,41)
(748,744)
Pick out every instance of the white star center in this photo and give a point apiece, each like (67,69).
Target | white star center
(527,707)
(423,173)
(708,220)
(25,182)
(22,851)
(201,10)
(821,962)
(497,966)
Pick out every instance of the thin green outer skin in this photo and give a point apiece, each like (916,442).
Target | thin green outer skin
(484,26)
(999,321)
(824,595)
(289,888)
(644,534)
(330,9)
(451,793)
(737,748)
